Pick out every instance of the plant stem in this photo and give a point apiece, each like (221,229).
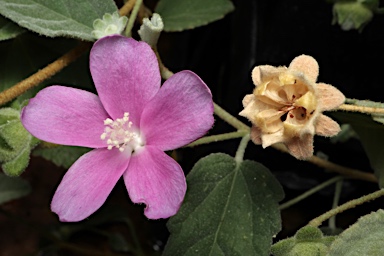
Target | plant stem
(53,68)
(351,204)
(132,18)
(127,7)
(227,117)
(336,198)
(43,74)
(216,138)
(361,109)
(241,149)
(309,192)
(346,171)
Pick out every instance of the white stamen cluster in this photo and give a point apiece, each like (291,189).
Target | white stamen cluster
(118,133)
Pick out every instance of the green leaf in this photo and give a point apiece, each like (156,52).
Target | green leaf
(179,15)
(17,165)
(229,209)
(352,15)
(371,135)
(365,237)
(9,29)
(63,156)
(71,18)
(12,188)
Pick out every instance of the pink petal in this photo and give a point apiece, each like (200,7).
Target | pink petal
(180,113)
(325,126)
(126,75)
(87,184)
(64,115)
(307,65)
(329,96)
(155,179)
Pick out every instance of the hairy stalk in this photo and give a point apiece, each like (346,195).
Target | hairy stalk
(127,7)
(53,68)
(132,18)
(351,204)
(361,109)
(230,119)
(309,192)
(349,172)
(241,149)
(43,74)
(336,198)
(216,138)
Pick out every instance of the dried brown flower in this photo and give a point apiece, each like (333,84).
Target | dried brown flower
(287,104)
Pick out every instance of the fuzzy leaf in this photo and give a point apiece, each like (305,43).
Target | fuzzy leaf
(180,15)
(9,29)
(371,135)
(365,237)
(63,156)
(229,209)
(12,188)
(71,18)
(17,165)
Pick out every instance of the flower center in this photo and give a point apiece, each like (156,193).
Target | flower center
(119,134)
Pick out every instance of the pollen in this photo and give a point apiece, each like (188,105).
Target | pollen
(119,134)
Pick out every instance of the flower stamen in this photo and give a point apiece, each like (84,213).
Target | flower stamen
(119,134)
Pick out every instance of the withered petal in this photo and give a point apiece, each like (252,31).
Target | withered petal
(301,148)
(329,97)
(326,126)
(307,65)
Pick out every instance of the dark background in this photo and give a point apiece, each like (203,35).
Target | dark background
(223,54)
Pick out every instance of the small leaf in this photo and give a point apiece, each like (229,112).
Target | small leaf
(17,165)
(9,29)
(63,156)
(12,188)
(179,15)
(371,135)
(71,18)
(229,209)
(365,237)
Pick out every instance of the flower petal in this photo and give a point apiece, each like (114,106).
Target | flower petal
(256,135)
(126,75)
(329,97)
(87,184)
(64,115)
(181,112)
(307,65)
(248,99)
(269,120)
(155,179)
(273,138)
(265,73)
(325,126)
(301,148)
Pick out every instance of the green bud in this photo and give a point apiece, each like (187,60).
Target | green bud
(110,24)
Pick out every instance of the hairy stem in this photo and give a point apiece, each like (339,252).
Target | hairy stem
(43,74)
(349,172)
(361,109)
(336,198)
(309,192)
(241,149)
(53,68)
(216,138)
(132,18)
(348,205)
(230,119)
(127,7)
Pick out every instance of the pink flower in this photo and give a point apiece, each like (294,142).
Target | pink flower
(130,125)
